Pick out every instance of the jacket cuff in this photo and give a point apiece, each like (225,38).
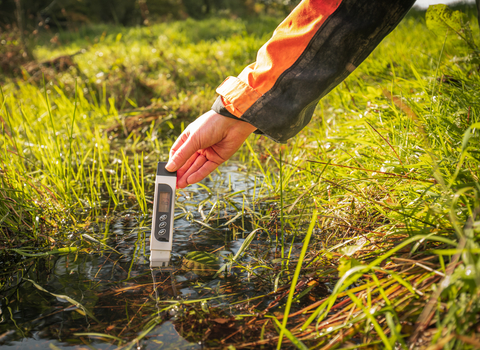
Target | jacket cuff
(237,96)
(219,107)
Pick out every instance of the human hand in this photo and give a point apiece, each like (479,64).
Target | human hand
(204,145)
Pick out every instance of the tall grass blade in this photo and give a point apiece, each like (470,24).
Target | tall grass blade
(296,275)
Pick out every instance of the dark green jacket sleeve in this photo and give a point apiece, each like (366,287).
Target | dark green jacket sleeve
(314,49)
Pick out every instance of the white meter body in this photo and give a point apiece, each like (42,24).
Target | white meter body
(162,218)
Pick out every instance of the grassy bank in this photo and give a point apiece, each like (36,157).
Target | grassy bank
(383,183)
(99,101)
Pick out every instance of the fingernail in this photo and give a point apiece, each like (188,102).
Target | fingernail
(170,165)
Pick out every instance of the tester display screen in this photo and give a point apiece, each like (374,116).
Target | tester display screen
(163,202)
(163,213)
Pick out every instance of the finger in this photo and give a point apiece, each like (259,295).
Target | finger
(179,141)
(183,153)
(202,172)
(196,164)
(199,161)
(176,145)
(181,179)
(183,170)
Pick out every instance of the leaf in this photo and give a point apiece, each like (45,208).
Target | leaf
(100,335)
(245,244)
(468,134)
(349,250)
(476,227)
(140,337)
(293,284)
(441,19)
(66,297)
(220,320)
(243,247)
(90,238)
(295,341)
(51,252)
(347,264)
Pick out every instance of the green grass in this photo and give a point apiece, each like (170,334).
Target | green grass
(390,163)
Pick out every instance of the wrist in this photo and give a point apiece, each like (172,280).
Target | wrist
(232,124)
(246,126)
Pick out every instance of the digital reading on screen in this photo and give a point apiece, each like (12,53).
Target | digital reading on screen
(163,202)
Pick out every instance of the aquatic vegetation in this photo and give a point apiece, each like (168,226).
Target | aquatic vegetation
(201,263)
(362,231)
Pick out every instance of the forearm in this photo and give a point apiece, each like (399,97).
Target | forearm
(314,49)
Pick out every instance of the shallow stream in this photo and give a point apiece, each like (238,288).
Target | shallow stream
(109,299)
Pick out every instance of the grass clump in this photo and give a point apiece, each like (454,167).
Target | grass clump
(99,106)
(391,164)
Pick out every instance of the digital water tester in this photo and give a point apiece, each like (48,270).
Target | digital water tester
(162,218)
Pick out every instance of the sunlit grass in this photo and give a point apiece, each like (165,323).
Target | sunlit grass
(390,163)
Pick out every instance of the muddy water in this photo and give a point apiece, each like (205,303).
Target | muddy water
(108,299)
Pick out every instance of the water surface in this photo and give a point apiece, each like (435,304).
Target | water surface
(108,299)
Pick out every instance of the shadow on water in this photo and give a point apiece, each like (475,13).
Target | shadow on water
(112,299)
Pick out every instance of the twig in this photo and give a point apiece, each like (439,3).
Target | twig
(388,143)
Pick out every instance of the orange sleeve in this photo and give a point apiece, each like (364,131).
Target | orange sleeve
(314,49)
(279,53)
